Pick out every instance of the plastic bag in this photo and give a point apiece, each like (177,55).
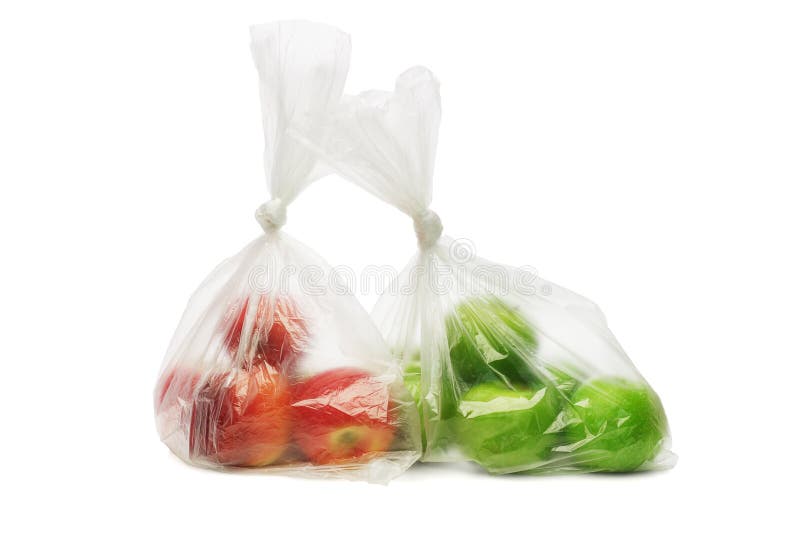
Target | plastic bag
(272,365)
(508,370)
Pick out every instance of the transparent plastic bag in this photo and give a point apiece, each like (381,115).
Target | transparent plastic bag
(272,365)
(508,370)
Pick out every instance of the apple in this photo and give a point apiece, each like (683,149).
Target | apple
(506,429)
(615,425)
(490,341)
(173,400)
(411,379)
(448,407)
(565,381)
(342,414)
(278,333)
(241,417)
(176,385)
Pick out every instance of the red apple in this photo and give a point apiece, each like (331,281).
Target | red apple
(174,400)
(241,417)
(278,333)
(175,385)
(342,414)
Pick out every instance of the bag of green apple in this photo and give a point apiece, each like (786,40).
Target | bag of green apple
(271,366)
(508,370)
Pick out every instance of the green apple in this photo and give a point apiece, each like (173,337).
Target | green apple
(411,378)
(490,341)
(447,408)
(445,391)
(564,381)
(506,430)
(615,425)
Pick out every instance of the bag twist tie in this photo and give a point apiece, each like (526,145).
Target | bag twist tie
(428,227)
(271,215)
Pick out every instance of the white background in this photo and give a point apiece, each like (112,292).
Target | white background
(643,155)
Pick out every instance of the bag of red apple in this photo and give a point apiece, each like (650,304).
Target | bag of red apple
(273,365)
(508,370)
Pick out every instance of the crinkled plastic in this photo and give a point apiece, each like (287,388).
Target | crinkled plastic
(271,365)
(508,370)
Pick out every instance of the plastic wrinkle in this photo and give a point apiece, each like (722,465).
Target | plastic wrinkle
(503,368)
(477,347)
(261,373)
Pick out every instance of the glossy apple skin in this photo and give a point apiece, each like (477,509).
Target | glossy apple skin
(506,430)
(490,341)
(278,334)
(342,414)
(617,425)
(241,418)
